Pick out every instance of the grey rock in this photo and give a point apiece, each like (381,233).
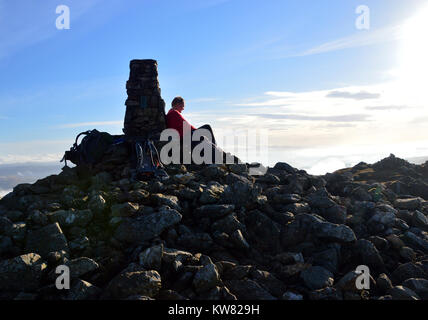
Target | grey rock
(206,278)
(289,295)
(146,227)
(334,232)
(327,293)
(83,290)
(317,278)
(369,255)
(134,280)
(320,199)
(22,273)
(151,258)
(328,259)
(170,201)
(70,218)
(420,220)
(268,281)
(81,266)
(127,209)
(248,290)
(416,242)
(402,293)
(214,211)
(406,271)
(238,240)
(383,283)
(46,239)
(418,285)
(408,204)
(97,204)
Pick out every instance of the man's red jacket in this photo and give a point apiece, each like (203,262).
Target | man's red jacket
(175,120)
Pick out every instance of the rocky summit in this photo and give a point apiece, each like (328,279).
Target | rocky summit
(216,232)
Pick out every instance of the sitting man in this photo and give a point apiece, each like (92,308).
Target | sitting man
(175,120)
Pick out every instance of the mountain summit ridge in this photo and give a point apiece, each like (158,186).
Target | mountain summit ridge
(216,232)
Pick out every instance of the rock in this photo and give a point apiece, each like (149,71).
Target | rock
(97,204)
(369,255)
(146,227)
(171,255)
(70,218)
(57,257)
(408,254)
(416,242)
(6,226)
(6,245)
(285,167)
(22,273)
(45,240)
(79,244)
(82,290)
(408,204)
(206,278)
(334,232)
(335,214)
(213,211)
(395,241)
(320,199)
(402,293)
(406,271)
(263,232)
(151,258)
(248,290)
(101,180)
(170,201)
(184,178)
(418,285)
(127,209)
(286,198)
(327,293)
(268,282)
(236,272)
(81,266)
(200,241)
(238,240)
(228,224)
(383,283)
(328,259)
(134,280)
(420,220)
(348,282)
(317,278)
(289,295)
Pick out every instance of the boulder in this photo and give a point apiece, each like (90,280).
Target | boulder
(22,273)
(46,239)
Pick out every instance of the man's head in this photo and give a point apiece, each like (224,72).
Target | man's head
(178,104)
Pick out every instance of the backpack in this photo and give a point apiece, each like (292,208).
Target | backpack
(91,149)
(148,162)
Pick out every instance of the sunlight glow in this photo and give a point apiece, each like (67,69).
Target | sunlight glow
(414,56)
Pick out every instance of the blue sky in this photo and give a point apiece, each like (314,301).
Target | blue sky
(326,90)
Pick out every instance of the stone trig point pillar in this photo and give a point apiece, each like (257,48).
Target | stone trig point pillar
(145,108)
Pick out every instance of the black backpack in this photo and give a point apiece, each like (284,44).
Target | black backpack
(91,149)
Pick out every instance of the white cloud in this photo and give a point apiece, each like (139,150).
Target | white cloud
(360,39)
(312,131)
(92,124)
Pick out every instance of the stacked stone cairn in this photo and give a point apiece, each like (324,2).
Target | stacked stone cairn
(145,108)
